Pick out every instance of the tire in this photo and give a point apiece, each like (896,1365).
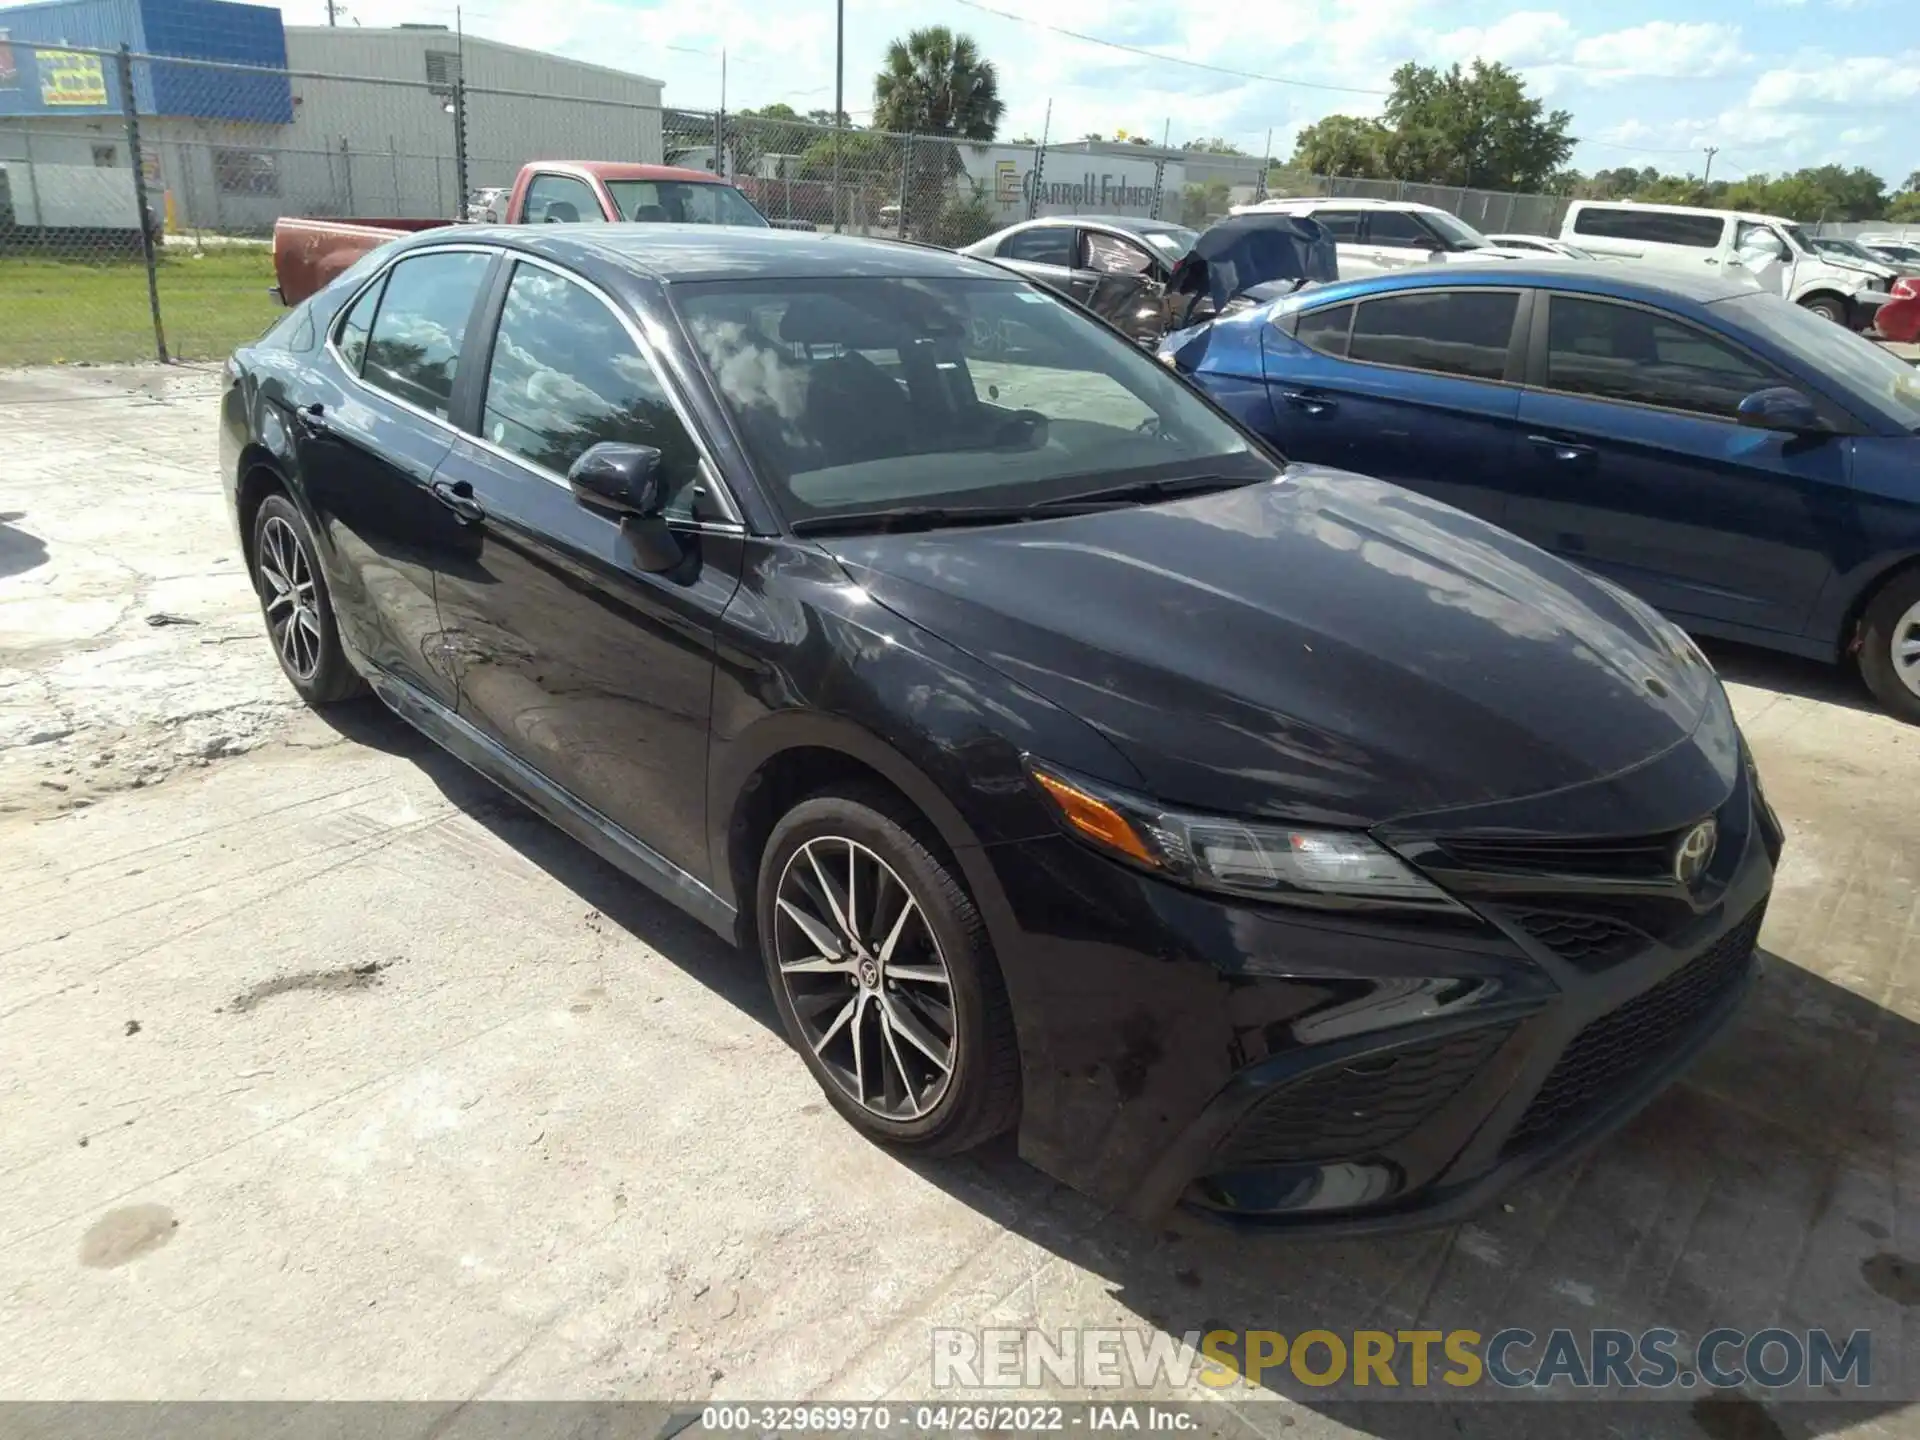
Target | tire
(1889,656)
(884,1077)
(297,607)
(1827,307)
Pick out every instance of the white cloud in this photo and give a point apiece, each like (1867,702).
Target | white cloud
(1525,37)
(1660,49)
(1859,81)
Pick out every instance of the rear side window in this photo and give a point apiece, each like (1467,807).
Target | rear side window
(1619,352)
(560,200)
(1658,227)
(1325,330)
(1450,332)
(565,375)
(1042,245)
(353,330)
(1342,225)
(413,348)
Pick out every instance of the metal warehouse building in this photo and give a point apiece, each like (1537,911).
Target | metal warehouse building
(233,145)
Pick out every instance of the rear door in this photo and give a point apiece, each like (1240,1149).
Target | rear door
(368,455)
(1343,226)
(1121,281)
(1632,464)
(1419,387)
(592,670)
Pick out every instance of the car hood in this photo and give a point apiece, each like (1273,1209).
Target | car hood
(1322,647)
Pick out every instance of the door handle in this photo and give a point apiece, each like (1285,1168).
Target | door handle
(1562,449)
(1307,401)
(457,496)
(312,418)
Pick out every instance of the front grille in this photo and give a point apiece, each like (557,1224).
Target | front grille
(1642,1032)
(1589,942)
(1633,857)
(1360,1107)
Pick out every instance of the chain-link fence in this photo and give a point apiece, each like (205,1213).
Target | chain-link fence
(138,193)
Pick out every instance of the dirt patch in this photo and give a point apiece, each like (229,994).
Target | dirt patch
(1894,1276)
(126,1234)
(352,977)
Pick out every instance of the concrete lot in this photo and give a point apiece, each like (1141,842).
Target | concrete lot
(330,1072)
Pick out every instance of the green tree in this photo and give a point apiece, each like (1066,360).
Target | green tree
(936,83)
(1905,208)
(1342,145)
(1212,145)
(1475,127)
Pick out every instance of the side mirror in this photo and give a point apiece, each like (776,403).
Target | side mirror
(1781,407)
(619,480)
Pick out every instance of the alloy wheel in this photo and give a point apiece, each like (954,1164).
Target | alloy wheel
(866,977)
(290,598)
(1905,643)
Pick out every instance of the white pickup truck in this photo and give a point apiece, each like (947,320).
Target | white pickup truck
(1775,253)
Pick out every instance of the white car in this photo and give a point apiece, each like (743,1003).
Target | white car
(1542,245)
(1377,235)
(1898,249)
(1774,252)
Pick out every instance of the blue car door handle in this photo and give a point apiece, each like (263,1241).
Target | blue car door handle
(1562,449)
(1308,401)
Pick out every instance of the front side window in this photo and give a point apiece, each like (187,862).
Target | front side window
(560,200)
(856,395)
(683,202)
(565,375)
(1455,232)
(1621,352)
(1040,245)
(1760,240)
(413,347)
(1450,332)
(1397,227)
(1110,255)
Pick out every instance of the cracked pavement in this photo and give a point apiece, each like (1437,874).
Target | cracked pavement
(331,1072)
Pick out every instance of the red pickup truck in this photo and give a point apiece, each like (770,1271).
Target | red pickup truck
(309,253)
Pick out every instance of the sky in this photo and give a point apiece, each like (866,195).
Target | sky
(1773,84)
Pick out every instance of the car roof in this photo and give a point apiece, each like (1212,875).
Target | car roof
(1756,216)
(682,253)
(1340,202)
(1622,281)
(626,170)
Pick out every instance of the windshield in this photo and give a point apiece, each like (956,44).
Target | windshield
(1171,243)
(1456,231)
(855,395)
(1847,247)
(683,202)
(1799,239)
(1898,252)
(1859,364)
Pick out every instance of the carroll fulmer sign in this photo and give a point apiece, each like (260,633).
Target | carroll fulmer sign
(1071,182)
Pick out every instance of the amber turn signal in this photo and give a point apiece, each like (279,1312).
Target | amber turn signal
(1096,819)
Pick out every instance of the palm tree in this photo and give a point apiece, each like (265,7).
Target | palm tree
(935,83)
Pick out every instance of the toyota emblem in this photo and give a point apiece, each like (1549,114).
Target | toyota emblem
(1695,852)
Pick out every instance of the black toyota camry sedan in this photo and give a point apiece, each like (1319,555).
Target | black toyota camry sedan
(1253,837)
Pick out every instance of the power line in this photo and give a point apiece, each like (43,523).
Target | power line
(1168,59)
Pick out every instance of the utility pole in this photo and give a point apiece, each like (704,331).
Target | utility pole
(1712,150)
(839,99)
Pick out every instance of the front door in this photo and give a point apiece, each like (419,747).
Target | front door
(1395,239)
(1044,254)
(592,670)
(368,452)
(1635,467)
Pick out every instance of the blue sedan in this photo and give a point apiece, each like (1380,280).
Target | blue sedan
(1749,468)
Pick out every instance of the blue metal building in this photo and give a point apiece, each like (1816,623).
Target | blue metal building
(38,77)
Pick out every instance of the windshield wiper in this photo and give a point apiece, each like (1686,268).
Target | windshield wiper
(1144,490)
(911,517)
(941,517)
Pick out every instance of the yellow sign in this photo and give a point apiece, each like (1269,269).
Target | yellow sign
(69,78)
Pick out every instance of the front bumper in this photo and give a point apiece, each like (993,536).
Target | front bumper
(1302,1070)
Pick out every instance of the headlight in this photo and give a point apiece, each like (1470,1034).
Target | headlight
(1285,864)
